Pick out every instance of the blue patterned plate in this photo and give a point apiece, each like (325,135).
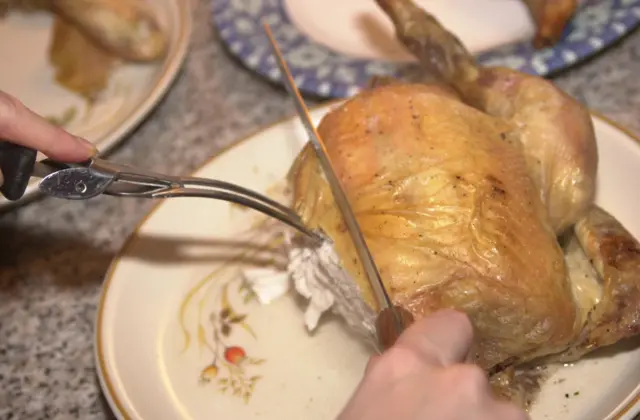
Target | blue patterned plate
(321,71)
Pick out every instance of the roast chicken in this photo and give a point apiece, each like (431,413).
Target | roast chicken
(476,193)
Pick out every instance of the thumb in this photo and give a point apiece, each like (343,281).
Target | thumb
(444,337)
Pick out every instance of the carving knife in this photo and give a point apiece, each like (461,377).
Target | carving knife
(392,320)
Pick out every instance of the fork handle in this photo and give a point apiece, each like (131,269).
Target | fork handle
(16,165)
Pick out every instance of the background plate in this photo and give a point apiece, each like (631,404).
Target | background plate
(322,68)
(161,349)
(133,92)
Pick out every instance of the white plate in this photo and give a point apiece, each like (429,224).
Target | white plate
(139,339)
(134,89)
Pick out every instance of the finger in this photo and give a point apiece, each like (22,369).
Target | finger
(508,411)
(445,336)
(20,125)
(373,361)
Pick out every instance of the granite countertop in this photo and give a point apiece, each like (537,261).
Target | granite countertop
(54,254)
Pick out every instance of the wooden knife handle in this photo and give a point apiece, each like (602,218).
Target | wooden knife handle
(386,328)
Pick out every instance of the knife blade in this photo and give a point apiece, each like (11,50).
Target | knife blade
(392,319)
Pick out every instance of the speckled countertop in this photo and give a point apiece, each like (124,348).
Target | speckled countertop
(54,254)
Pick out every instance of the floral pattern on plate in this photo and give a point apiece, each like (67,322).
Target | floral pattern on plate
(227,298)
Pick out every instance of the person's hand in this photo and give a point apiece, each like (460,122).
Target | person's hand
(424,376)
(20,125)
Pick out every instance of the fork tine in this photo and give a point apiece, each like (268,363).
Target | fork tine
(223,185)
(255,201)
(133,182)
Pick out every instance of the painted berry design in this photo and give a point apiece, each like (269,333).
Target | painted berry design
(223,334)
(231,363)
(235,355)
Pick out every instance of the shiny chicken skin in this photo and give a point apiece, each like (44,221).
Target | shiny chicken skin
(462,189)
(452,218)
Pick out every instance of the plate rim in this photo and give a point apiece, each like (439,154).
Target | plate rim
(165,78)
(252,51)
(107,384)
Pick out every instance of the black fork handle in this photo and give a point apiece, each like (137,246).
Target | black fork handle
(16,164)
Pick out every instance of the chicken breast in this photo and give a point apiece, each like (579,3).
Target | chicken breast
(452,218)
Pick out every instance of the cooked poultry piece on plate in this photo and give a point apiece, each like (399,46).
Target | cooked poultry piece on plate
(462,190)
(90,37)
(551,18)
(554,130)
(126,28)
(80,65)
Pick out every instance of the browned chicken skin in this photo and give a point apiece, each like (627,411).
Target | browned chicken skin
(461,189)
(551,17)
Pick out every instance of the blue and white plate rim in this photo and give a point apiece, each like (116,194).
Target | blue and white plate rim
(320,71)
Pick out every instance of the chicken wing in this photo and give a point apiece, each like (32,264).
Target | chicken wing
(615,255)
